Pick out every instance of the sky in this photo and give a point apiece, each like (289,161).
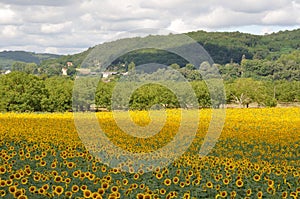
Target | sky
(71,26)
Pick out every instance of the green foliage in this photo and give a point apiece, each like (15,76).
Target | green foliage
(84,93)
(104,95)
(21,92)
(59,97)
(223,47)
(7,58)
(29,68)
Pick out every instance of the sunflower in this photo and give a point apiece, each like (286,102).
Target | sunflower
(87,193)
(125,181)
(103,169)
(58,179)
(270,190)
(256,177)
(75,188)
(12,189)
(167,182)
(248,192)
(284,194)
(41,191)
(2,193)
(53,165)
(91,177)
(108,178)
(2,183)
(209,185)
(24,181)
(162,191)
(68,180)
(75,174)
(114,189)
(259,194)
(270,183)
(2,170)
(233,194)
(196,182)
(18,193)
(181,184)
(18,176)
(22,197)
(294,195)
(134,186)
(159,176)
(140,196)
(43,163)
(105,185)
(175,180)
(147,196)
(136,176)
(141,171)
(115,170)
(83,187)
(142,186)
(58,190)
(70,165)
(223,194)
(45,187)
(239,183)
(32,189)
(10,182)
(226,181)
(101,191)
(186,196)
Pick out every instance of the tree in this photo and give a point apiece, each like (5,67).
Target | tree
(84,93)
(244,91)
(21,92)
(131,66)
(202,94)
(59,97)
(104,95)
(175,66)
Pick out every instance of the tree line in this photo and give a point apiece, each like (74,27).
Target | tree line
(23,92)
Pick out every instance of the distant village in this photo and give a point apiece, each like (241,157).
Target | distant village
(106,75)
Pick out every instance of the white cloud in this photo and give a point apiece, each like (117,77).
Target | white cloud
(56,28)
(286,16)
(52,50)
(7,15)
(9,31)
(255,6)
(178,25)
(66,26)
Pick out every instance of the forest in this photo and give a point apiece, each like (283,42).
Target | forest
(260,69)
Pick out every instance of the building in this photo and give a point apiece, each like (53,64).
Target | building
(64,71)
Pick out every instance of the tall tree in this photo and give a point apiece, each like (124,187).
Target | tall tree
(21,92)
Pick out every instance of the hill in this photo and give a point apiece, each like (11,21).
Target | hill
(7,58)
(223,47)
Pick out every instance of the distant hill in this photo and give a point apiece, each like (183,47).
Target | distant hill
(223,47)
(7,58)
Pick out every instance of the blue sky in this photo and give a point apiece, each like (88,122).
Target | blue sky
(67,27)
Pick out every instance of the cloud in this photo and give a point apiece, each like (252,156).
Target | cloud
(9,31)
(7,15)
(40,2)
(63,26)
(55,28)
(255,6)
(286,16)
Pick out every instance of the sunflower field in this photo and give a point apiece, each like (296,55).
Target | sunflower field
(256,156)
